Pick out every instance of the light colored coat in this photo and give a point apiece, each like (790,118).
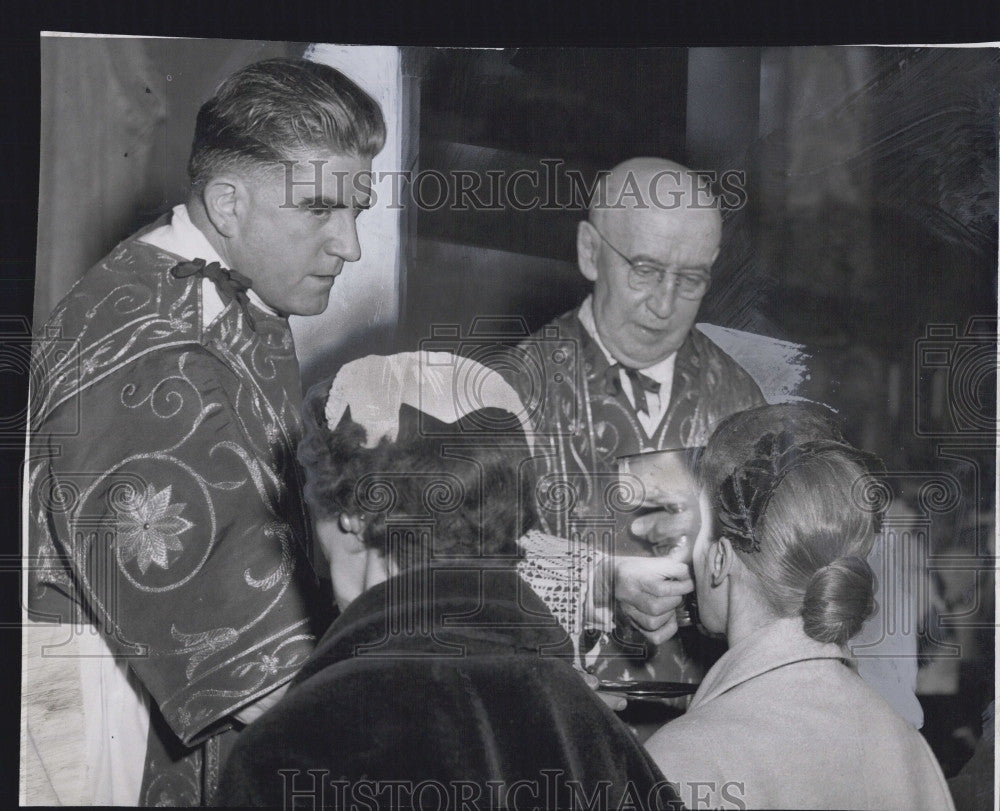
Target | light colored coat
(781,721)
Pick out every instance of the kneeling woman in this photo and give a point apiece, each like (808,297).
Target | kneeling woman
(445,680)
(782,719)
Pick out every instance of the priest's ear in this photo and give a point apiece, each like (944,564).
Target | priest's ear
(588,246)
(224,197)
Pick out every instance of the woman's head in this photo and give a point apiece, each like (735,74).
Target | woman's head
(470,495)
(412,457)
(407,502)
(790,504)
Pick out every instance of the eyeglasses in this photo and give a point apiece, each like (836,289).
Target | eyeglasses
(647,276)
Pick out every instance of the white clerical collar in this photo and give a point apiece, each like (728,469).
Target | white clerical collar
(662,371)
(182,237)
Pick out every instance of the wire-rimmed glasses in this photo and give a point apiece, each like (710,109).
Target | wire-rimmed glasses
(647,276)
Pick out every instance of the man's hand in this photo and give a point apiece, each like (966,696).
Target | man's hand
(675,527)
(649,590)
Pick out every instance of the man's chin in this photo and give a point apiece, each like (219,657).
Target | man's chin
(641,357)
(317,308)
(304,309)
(644,346)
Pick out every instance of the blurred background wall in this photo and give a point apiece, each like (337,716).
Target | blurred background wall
(365,302)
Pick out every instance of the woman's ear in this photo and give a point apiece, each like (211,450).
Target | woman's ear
(351,523)
(334,538)
(720,560)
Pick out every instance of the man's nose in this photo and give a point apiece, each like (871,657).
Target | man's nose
(343,239)
(662,297)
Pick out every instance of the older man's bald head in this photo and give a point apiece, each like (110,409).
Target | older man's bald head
(652,189)
(656,213)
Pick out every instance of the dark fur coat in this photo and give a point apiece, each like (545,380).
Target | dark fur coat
(454,681)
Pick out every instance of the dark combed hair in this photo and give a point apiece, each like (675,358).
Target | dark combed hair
(278,109)
(475,490)
(800,515)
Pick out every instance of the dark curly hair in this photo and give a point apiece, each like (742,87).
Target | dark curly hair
(475,492)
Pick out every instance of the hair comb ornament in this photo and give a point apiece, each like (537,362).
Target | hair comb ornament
(744,495)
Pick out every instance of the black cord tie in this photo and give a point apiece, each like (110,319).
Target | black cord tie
(231,284)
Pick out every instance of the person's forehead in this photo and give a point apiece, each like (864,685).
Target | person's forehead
(667,234)
(317,174)
(330,160)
